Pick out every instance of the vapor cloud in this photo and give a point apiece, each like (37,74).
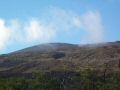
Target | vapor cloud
(4,34)
(93,25)
(89,22)
(56,21)
(36,31)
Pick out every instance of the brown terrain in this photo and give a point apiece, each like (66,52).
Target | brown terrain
(62,57)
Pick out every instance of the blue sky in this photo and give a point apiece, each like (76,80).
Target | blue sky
(26,23)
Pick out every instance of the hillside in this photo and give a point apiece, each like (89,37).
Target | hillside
(61,57)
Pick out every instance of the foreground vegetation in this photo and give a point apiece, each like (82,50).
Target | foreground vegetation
(83,80)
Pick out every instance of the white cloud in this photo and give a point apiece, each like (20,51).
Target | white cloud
(89,22)
(63,20)
(29,32)
(92,24)
(5,34)
(16,30)
(36,31)
(77,22)
(56,22)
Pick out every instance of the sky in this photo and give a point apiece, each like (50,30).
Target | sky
(25,23)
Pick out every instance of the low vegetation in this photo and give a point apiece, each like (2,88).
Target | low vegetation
(83,80)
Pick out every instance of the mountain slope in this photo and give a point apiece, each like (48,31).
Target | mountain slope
(62,56)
